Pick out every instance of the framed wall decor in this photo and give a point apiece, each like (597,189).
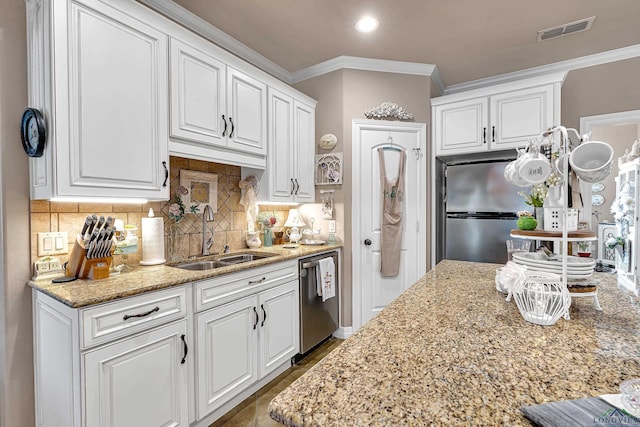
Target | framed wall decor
(202,189)
(329,169)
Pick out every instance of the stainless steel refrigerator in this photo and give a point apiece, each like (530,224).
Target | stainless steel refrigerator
(481,209)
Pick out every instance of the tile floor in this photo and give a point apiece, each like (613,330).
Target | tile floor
(253,411)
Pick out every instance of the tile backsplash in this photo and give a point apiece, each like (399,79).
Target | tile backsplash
(229,226)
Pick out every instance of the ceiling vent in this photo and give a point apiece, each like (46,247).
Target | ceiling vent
(566,29)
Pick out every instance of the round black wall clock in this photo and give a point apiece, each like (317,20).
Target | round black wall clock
(33,132)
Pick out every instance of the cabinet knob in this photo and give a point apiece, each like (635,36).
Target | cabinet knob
(367,242)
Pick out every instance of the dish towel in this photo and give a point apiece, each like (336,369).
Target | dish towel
(326,278)
(580,412)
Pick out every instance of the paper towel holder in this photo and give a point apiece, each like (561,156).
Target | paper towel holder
(152,240)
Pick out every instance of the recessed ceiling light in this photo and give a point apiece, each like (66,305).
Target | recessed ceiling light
(367,24)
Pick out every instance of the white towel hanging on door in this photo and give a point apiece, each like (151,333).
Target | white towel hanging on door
(326,278)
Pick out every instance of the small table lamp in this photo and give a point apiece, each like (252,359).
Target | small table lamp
(294,221)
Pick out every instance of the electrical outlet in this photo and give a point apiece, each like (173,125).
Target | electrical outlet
(53,243)
(332,226)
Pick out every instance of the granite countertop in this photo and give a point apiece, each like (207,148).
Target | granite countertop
(451,351)
(81,293)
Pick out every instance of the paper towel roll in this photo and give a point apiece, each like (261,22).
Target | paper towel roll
(152,241)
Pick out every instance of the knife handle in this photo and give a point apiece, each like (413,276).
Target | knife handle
(85,227)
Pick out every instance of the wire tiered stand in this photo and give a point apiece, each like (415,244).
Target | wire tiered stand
(542,300)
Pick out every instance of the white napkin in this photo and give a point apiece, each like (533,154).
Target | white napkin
(326,278)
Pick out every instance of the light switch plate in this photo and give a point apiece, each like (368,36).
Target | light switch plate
(53,243)
(332,226)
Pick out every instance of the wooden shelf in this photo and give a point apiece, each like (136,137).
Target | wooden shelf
(554,235)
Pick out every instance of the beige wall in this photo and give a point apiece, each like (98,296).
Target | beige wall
(345,95)
(16,366)
(608,88)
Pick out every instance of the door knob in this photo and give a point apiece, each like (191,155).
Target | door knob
(367,242)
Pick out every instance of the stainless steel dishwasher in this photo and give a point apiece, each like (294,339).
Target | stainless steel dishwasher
(318,320)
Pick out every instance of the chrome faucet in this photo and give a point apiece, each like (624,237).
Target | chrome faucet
(207,215)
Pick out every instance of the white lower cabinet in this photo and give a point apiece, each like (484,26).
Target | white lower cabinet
(241,342)
(139,381)
(180,356)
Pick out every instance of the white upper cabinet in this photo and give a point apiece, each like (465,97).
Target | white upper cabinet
(461,126)
(290,171)
(198,88)
(246,113)
(520,115)
(98,72)
(495,118)
(218,112)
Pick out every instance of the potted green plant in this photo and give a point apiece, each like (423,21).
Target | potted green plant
(584,249)
(526,221)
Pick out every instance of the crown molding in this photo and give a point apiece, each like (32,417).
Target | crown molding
(368,64)
(204,29)
(614,55)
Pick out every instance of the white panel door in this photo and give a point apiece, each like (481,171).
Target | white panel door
(227,351)
(139,381)
(281,153)
(304,160)
(115,136)
(247,113)
(198,87)
(279,326)
(519,116)
(372,291)
(461,127)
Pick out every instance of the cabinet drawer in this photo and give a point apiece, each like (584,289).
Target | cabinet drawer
(219,290)
(124,317)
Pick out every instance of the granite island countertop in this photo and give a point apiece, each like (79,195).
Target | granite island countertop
(82,293)
(451,351)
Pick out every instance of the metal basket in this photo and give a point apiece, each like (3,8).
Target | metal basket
(541,299)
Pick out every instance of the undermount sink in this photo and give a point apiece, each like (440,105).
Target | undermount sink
(201,265)
(210,264)
(240,258)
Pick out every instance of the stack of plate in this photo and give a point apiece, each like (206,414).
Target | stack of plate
(577,268)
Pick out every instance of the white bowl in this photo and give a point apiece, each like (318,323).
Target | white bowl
(592,161)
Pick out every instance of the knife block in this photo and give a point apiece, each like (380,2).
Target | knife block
(82,267)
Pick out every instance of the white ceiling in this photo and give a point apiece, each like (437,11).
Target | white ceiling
(465,39)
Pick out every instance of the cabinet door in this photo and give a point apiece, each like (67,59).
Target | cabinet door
(138,381)
(281,152)
(247,113)
(226,353)
(197,95)
(304,148)
(111,103)
(461,127)
(279,326)
(520,115)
